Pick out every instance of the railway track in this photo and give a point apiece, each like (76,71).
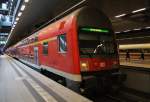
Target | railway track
(115,99)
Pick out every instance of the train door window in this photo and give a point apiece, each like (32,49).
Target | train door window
(62,43)
(45,48)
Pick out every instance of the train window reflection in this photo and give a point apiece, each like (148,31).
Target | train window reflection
(93,44)
(62,43)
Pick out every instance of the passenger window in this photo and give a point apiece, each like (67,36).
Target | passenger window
(62,43)
(45,48)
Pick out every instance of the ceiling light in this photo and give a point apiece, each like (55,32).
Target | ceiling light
(126,30)
(120,15)
(137,29)
(147,27)
(22,7)
(142,9)
(26,0)
(15,22)
(17,18)
(19,14)
(14,26)
(117,32)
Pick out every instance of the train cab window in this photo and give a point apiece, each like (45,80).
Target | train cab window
(45,48)
(94,42)
(62,43)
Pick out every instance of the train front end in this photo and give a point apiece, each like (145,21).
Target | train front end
(97,48)
(96,41)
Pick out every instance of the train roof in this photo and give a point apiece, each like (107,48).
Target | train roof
(83,14)
(92,16)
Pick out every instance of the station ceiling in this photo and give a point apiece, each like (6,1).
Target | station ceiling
(37,12)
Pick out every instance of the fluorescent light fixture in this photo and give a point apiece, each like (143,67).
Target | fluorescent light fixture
(14,26)
(17,18)
(142,9)
(117,32)
(137,29)
(26,1)
(127,31)
(147,27)
(22,7)
(19,14)
(15,22)
(121,15)
(133,38)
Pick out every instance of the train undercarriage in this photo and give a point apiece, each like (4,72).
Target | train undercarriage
(92,82)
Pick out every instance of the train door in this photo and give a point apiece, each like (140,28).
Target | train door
(36,61)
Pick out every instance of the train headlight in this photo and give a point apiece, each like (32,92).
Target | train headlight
(84,66)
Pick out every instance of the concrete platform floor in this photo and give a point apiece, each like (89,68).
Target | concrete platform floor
(19,83)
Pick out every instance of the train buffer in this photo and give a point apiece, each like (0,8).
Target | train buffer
(19,83)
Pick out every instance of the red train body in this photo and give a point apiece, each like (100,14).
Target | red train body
(80,45)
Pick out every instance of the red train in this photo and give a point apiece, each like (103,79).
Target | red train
(79,48)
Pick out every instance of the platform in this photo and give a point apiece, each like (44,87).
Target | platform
(19,83)
(136,63)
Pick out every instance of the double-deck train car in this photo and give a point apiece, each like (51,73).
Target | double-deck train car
(79,48)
